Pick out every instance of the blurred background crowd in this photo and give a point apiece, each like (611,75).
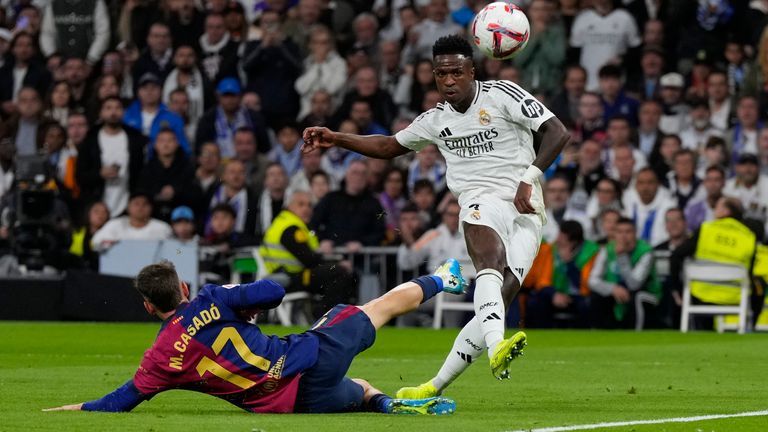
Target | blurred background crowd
(146,119)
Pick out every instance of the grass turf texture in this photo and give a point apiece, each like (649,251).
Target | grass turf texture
(565,378)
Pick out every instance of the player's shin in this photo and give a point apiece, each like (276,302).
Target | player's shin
(468,346)
(489,306)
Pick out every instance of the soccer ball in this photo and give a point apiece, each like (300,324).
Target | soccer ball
(501,30)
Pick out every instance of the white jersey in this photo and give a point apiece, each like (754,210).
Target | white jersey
(487,148)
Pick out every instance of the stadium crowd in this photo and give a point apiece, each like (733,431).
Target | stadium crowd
(183,119)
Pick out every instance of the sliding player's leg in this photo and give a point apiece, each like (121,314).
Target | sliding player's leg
(376,401)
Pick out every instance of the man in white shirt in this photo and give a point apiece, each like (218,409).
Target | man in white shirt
(720,107)
(485,131)
(750,187)
(646,204)
(138,224)
(604,34)
(700,128)
(437,24)
(436,246)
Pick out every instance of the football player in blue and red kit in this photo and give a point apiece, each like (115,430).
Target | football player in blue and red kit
(206,345)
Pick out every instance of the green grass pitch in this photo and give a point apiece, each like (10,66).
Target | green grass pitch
(565,378)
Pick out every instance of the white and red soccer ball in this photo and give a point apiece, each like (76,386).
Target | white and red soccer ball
(501,30)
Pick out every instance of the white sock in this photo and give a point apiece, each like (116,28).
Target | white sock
(468,346)
(489,307)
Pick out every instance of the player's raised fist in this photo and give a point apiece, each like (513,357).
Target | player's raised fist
(317,138)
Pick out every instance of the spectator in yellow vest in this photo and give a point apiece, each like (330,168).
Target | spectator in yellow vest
(289,247)
(728,240)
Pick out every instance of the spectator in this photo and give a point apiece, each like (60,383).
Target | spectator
(324,70)
(615,100)
(111,159)
(183,225)
(138,224)
(565,104)
(663,155)
(218,50)
(273,196)
(619,135)
(434,247)
(621,270)
(365,29)
(674,112)
(677,230)
(427,165)
(541,63)
(707,244)
(410,225)
(234,20)
(700,127)
(366,87)
(188,77)
(96,216)
(682,180)
(220,122)
(720,106)
(588,170)
(737,68)
(21,69)
(243,203)
(424,34)
(302,179)
(105,85)
(624,166)
(129,55)
(288,151)
(319,186)
(590,123)
(392,200)
(568,291)
(424,197)
(320,110)
(602,35)
(645,85)
(336,160)
(289,247)
(648,131)
(220,239)
(5,40)
(185,22)
(762,150)
(389,65)
(76,29)
(646,204)
(255,163)
(135,21)
(28,19)
(26,124)
(208,169)
(168,177)
(149,115)
(607,196)
(157,57)
(7,166)
(742,137)
(557,198)
(750,187)
(349,217)
(77,130)
(272,65)
(178,103)
(607,226)
(702,210)
(76,74)
(61,160)
(311,14)
(415,81)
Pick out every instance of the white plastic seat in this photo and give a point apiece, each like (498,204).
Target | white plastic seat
(724,275)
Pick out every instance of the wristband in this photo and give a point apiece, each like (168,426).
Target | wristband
(531,174)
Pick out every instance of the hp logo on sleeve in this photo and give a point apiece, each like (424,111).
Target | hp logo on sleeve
(532,108)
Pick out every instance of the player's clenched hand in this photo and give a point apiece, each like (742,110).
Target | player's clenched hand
(523,199)
(74,407)
(317,138)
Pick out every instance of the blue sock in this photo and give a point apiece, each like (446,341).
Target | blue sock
(380,403)
(430,286)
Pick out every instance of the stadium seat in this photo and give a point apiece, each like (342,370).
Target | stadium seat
(442,305)
(721,274)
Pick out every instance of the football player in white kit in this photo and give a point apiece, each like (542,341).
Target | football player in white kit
(497,140)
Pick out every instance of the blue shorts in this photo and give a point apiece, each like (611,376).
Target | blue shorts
(344,332)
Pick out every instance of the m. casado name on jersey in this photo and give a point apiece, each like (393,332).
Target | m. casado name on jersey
(473,145)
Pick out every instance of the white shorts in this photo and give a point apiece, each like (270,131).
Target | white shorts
(520,233)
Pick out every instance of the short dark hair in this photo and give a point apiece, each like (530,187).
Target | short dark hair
(159,285)
(625,221)
(409,208)
(452,44)
(610,71)
(717,168)
(423,184)
(676,209)
(110,98)
(735,208)
(224,208)
(573,230)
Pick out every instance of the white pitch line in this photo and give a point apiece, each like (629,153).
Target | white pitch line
(644,422)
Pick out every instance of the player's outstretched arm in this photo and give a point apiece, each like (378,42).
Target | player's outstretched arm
(125,398)
(550,140)
(375,146)
(263,294)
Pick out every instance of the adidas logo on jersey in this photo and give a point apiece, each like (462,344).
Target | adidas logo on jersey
(445,133)
(492,317)
(466,357)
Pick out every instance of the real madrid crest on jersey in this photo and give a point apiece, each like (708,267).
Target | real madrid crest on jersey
(485,118)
